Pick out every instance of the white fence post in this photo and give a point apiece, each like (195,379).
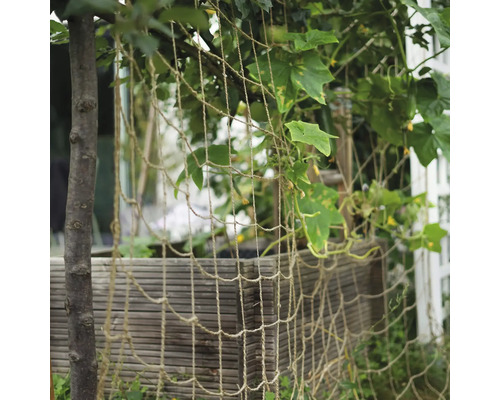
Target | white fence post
(427,263)
(431,269)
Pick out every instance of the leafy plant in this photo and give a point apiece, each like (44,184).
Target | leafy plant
(61,387)
(133,390)
(403,368)
(137,247)
(282,66)
(288,391)
(394,212)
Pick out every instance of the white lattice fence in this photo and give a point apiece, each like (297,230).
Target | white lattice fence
(432,270)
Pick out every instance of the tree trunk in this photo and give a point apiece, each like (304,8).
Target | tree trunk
(79,209)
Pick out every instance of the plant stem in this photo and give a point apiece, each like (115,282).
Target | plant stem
(268,248)
(429,58)
(398,36)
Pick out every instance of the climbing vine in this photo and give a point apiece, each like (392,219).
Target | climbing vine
(277,66)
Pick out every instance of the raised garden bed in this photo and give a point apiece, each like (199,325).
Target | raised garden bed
(305,309)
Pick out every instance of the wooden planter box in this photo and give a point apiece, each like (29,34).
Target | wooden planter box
(340,295)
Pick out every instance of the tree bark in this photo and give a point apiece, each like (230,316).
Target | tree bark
(79,209)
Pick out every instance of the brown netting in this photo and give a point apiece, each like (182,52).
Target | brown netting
(207,318)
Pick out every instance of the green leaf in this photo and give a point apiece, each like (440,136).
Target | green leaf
(284,91)
(424,70)
(58,33)
(160,27)
(196,17)
(270,396)
(433,96)
(148,44)
(247,7)
(285,382)
(265,5)
(298,172)
(258,111)
(376,197)
(57,27)
(305,132)
(388,103)
(310,74)
(217,155)
(101,44)
(383,121)
(423,142)
(444,14)
(291,74)
(327,197)
(431,238)
(159,64)
(320,212)
(317,227)
(140,249)
(441,127)
(443,87)
(316,8)
(311,39)
(244,7)
(434,233)
(134,395)
(439,19)
(426,138)
(324,119)
(387,198)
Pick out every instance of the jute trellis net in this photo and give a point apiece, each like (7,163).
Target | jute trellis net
(300,320)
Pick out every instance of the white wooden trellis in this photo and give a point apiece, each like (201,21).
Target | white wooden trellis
(432,270)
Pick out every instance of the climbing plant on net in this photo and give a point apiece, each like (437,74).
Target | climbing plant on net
(246,102)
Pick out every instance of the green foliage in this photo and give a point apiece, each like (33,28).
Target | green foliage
(439,19)
(218,155)
(393,212)
(405,367)
(289,391)
(137,247)
(58,33)
(310,134)
(428,137)
(387,103)
(287,74)
(286,64)
(133,390)
(251,7)
(61,387)
(311,39)
(429,238)
(433,96)
(319,212)
(194,17)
